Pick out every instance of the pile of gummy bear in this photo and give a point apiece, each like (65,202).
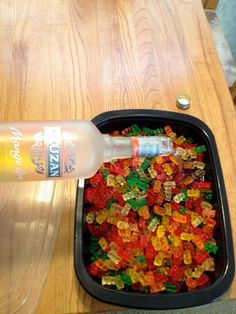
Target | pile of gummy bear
(150,221)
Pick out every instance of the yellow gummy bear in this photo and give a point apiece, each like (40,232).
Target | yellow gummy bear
(187,257)
(103,243)
(160,231)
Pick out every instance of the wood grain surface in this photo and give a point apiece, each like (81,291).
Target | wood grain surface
(68,59)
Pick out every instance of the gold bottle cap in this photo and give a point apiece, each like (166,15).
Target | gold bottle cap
(183,101)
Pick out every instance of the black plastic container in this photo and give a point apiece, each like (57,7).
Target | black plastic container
(222,277)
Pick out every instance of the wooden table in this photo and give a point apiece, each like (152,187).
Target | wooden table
(75,59)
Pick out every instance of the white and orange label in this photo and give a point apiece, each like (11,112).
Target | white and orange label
(135,147)
(35,153)
(143,146)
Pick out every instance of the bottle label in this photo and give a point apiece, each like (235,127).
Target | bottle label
(135,147)
(36,153)
(150,146)
(52,143)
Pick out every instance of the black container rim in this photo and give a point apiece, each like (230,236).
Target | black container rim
(158,301)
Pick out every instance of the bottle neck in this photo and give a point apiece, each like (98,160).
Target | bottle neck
(117,147)
(142,146)
(151,146)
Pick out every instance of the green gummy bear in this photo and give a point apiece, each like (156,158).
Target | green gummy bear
(126,279)
(200,149)
(210,247)
(135,129)
(145,165)
(141,259)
